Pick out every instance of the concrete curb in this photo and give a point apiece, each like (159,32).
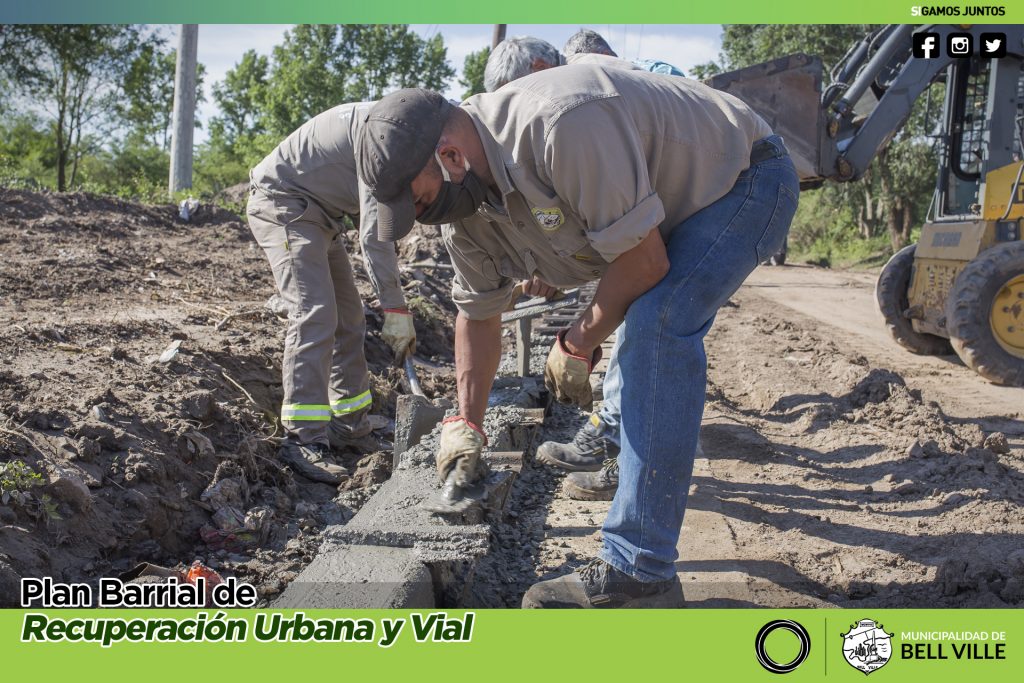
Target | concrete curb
(393,554)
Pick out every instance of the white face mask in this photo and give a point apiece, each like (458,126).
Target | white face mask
(444,171)
(454,201)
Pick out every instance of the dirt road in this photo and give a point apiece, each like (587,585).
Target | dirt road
(843,302)
(840,469)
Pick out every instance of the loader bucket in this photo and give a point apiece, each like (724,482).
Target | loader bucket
(786,92)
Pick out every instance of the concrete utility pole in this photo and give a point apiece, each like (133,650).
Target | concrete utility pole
(499,35)
(184,109)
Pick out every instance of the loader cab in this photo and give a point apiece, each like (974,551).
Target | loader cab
(961,148)
(980,133)
(966,283)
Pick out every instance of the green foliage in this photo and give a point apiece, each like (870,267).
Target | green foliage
(237,97)
(16,482)
(218,166)
(748,44)
(147,107)
(132,169)
(73,75)
(317,67)
(90,106)
(308,74)
(825,232)
(391,56)
(26,154)
(473,72)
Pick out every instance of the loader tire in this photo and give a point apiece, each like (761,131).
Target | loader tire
(891,294)
(985,314)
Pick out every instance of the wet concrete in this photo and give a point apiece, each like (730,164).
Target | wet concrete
(415,417)
(392,541)
(360,576)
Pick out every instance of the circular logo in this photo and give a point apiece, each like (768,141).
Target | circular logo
(771,627)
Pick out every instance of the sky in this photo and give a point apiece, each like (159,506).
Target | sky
(222,45)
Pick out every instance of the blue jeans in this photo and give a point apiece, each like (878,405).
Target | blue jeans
(663,369)
(610,413)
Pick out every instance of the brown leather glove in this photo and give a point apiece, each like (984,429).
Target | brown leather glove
(567,377)
(461,443)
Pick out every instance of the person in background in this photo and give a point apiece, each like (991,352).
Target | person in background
(516,57)
(585,43)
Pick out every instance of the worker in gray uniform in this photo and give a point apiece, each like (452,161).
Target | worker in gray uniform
(298,198)
(665,190)
(591,455)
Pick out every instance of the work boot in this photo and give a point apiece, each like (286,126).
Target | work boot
(597,584)
(313,461)
(599,485)
(585,453)
(355,435)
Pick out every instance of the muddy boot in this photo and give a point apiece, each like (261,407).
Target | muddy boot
(594,485)
(597,585)
(355,435)
(313,461)
(585,453)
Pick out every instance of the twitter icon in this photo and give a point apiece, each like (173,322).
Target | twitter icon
(993,45)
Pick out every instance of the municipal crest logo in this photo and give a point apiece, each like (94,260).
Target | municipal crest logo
(867,646)
(549,219)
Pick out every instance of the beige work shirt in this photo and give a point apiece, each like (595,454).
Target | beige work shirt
(588,160)
(317,163)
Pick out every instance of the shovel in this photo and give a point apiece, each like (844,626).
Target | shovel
(415,414)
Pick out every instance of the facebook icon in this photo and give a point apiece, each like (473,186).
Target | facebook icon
(926,45)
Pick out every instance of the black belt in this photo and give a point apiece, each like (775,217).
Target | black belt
(771,147)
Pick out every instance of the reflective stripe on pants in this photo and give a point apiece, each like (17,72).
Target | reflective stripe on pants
(298,412)
(352,405)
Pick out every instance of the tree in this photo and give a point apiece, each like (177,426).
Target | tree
(749,44)
(72,74)
(148,105)
(473,72)
(433,71)
(309,74)
(239,97)
(26,149)
(315,68)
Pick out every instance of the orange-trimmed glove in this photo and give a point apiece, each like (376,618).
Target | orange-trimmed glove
(567,377)
(461,443)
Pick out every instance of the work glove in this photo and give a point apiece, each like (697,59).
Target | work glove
(461,443)
(399,333)
(567,377)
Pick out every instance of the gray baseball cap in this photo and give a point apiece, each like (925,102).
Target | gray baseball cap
(398,138)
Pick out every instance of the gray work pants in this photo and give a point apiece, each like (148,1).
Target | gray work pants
(324,369)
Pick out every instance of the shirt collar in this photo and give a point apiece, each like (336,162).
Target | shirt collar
(495,154)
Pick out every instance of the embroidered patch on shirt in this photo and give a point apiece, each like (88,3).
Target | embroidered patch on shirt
(549,219)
